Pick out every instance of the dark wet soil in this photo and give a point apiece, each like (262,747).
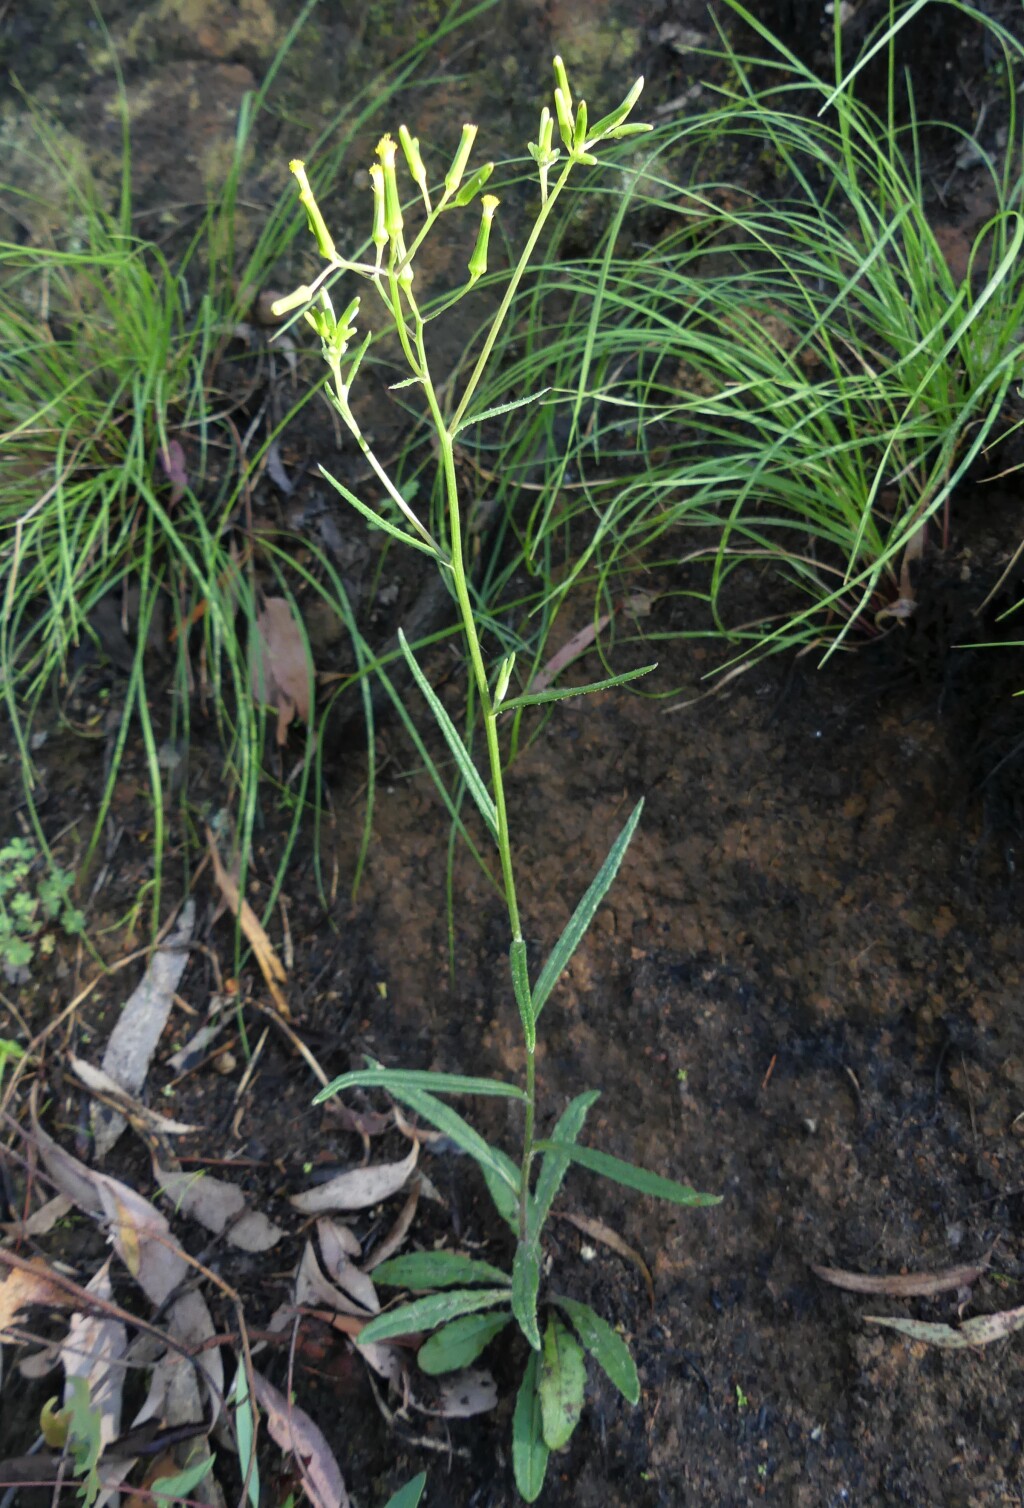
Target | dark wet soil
(804,993)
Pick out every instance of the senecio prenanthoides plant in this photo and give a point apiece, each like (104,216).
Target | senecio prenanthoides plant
(469,1302)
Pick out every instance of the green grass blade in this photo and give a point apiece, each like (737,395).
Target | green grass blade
(561,694)
(632,1177)
(436,1269)
(605,1345)
(459,1344)
(583,915)
(428,1313)
(395,1080)
(467,769)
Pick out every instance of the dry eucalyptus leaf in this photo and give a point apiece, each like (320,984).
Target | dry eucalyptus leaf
(395,1237)
(41,1221)
(294,1431)
(384,1359)
(342,1270)
(20,1289)
(982,1330)
(312,1286)
(902,1285)
(460,1396)
(270,965)
(140,1026)
(358,1189)
(598,1231)
(280,666)
(99,1082)
(217,1205)
(92,1350)
(336,1236)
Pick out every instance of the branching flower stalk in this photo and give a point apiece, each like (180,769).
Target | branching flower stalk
(525,1207)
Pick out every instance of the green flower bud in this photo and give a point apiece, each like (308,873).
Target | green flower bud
(565,124)
(380,235)
(411,148)
(454,175)
(478,261)
(393,221)
(469,190)
(579,135)
(547,126)
(291,301)
(562,81)
(314,218)
(504,676)
(608,122)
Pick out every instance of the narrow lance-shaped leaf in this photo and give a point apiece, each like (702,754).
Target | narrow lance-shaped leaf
(501,408)
(632,1177)
(605,1345)
(583,915)
(459,1344)
(563,693)
(525,1286)
(427,1314)
(447,1120)
(394,1079)
(436,1269)
(504,1190)
(467,769)
(377,520)
(521,988)
(529,1452)
(555,1163)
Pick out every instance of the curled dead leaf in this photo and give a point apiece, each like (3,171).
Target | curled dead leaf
(358,1189)
(902,1284)
(280,665)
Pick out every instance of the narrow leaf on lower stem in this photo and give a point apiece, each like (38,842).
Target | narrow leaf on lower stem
(525,1286)
(459,1344)
(529,1452)
(427,1314)
(563,1377)
(605,1345)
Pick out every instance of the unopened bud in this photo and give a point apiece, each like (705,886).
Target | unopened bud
(315,219)
(565,123)
(393,221)
(454,175)
(411,148)
(290,301)
(380,235)
(469,190)
(478,261)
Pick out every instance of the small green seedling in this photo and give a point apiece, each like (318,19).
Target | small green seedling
(467,1303)
(29,906)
